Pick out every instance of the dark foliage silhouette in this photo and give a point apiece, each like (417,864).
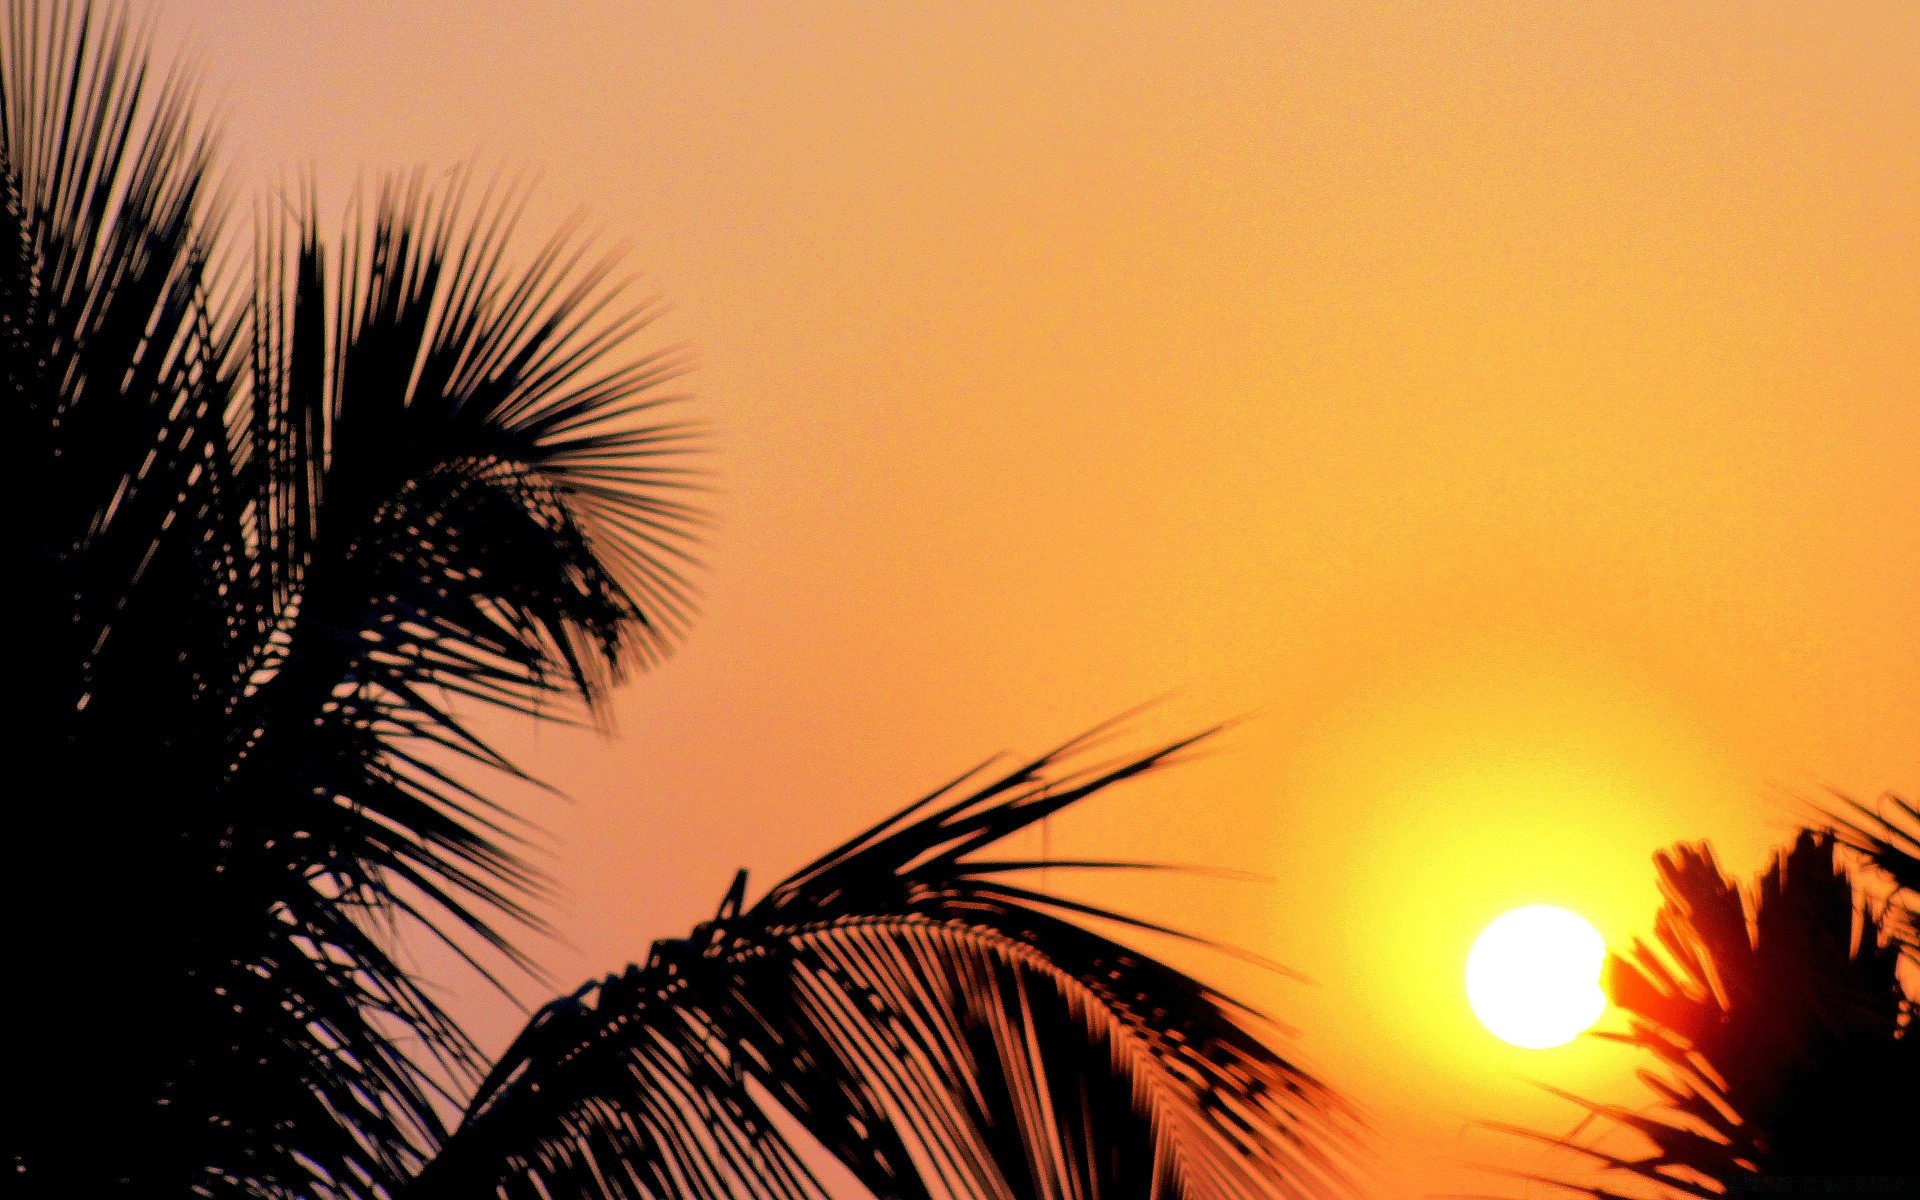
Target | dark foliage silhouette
(1888,835)
(274,526)
(943,1029)
(1781,1031)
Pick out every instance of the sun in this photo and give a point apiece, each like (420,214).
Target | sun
(1533,976)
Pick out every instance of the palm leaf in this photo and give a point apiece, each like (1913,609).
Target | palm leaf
(1888,834)
(118,379)
(938,1027)
(1779,1025)
(264,542)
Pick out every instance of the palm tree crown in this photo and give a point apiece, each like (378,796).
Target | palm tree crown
(1781,1027)
(276,528)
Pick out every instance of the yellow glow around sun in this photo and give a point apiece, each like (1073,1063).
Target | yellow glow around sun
(1533,976)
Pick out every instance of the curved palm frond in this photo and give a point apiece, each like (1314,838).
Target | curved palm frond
(453,493)
(456,493)
(263,545)
(1780,1027)
(940,1028)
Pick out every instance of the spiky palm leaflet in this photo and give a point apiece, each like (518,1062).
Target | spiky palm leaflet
(1887,833)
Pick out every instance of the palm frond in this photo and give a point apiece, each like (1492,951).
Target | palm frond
(1779,1026)
(1888,835)
(262,546)
(459,490)
(453,492)
(118,378)
(939,1028)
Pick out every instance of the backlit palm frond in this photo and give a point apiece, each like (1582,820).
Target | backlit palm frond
(116,377)
(1888,834)
(462,441)
(942,1029)
(125,550)
(1780,1029)
(461,489)
(258,546)
(453,490)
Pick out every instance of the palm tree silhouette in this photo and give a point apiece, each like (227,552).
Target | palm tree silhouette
(1782,1032)
(276,527)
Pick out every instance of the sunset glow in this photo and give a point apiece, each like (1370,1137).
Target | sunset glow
(1506,413)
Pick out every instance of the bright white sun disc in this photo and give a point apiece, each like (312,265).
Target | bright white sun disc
(1533,976)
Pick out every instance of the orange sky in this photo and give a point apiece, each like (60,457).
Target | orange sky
(1515,409)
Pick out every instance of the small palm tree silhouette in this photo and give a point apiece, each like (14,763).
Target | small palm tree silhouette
(272,528)
(1783,1035)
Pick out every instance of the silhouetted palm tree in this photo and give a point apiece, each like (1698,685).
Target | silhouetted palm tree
(270,528)
(1782,1031)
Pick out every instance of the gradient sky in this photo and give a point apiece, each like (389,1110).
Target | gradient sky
(1514,410)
